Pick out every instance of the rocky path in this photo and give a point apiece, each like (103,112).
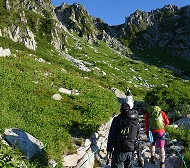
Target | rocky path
(93,153)
(173,160)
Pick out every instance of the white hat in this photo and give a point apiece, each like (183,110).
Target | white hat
(129,101)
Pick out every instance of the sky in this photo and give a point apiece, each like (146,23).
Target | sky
(113,12)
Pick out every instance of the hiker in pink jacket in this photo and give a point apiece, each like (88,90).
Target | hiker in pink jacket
(157,133)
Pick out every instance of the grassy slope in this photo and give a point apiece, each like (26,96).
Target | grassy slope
(27,85)
(160,58)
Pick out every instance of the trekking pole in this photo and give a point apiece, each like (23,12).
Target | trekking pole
(107,163)
(139,151)
(140,156)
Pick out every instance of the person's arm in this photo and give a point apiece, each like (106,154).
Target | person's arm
(166,120)
(112,135)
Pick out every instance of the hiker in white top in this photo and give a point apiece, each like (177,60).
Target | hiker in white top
(129,97)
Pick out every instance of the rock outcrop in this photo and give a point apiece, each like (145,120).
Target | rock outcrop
(29,145)
(4,52)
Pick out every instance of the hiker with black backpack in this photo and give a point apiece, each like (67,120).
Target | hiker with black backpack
(155,122)
(122,137)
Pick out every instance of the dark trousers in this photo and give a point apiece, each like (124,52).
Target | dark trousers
(121,159)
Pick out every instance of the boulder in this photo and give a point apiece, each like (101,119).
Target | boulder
(26,143)
(57,97)
(70,160)
(4,52)
(185,122)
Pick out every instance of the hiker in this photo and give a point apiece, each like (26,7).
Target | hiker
(122,136)
(129,97)
(156,120)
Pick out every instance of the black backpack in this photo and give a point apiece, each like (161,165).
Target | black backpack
(128,128)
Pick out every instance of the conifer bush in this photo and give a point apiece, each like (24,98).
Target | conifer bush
(169,98)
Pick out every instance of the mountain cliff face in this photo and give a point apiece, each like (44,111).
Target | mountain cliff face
(165,28)
(25,21)
(77,19)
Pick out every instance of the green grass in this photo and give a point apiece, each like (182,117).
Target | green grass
(160,57)
(29,106)
(27,86)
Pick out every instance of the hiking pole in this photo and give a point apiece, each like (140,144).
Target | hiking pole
(108,159)
(139,150)
(107,163)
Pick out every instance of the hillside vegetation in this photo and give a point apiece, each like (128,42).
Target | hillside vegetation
(27,86)
(29,78)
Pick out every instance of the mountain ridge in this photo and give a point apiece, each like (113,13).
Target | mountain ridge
(45,56)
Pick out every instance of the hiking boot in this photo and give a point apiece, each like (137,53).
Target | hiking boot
(152,160)
(162,165)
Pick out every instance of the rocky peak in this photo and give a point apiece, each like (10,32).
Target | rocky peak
(166,28)
(70,15)
(172,8)
(79,8)
(77,19)
(142,19)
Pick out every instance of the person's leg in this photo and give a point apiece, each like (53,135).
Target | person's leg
(162,157)
(162,154)
(129,158)
(152,149)
(152,152)
(118,159)
(160,144)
